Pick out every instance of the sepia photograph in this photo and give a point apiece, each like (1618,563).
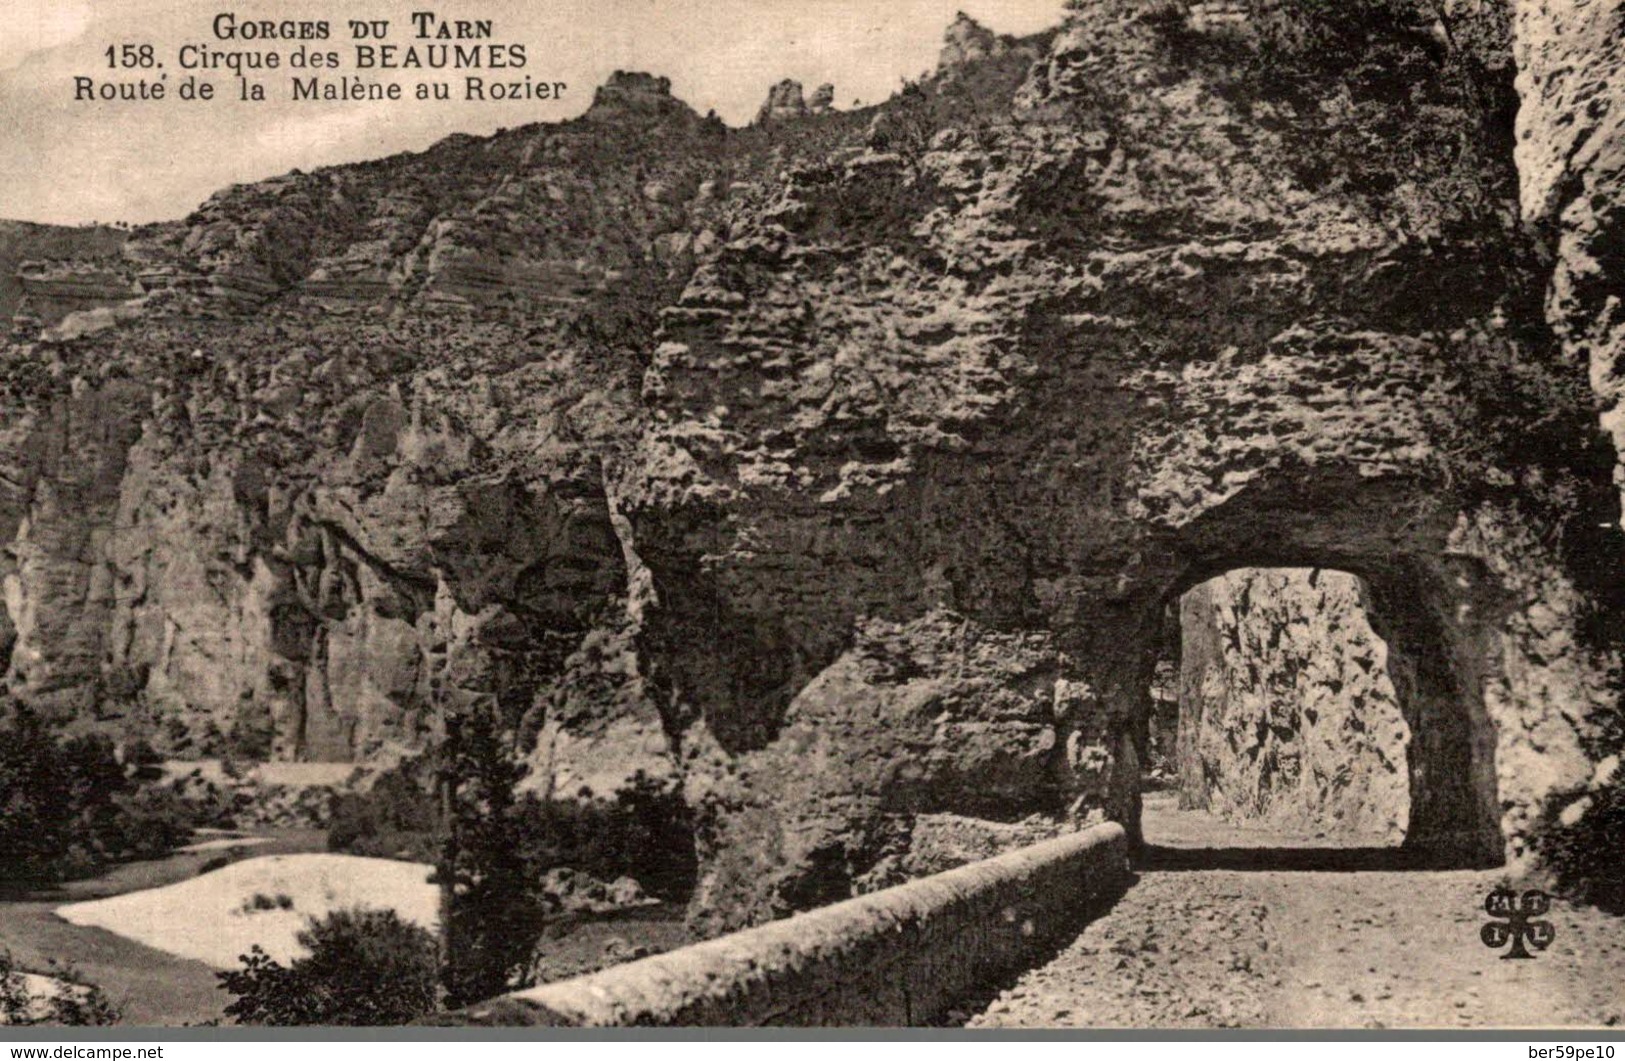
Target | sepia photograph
(958,517)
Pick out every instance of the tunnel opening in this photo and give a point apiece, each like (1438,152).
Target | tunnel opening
(1309,718)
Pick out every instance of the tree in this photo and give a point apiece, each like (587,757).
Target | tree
(491,916)
(365,967)
(37,804)
(68,805)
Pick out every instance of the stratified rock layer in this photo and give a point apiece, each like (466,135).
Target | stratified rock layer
(47,271)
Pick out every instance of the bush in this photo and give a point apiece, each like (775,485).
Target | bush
(147,823)
(646,833)
(1584,858)
(79,1004)
(15,1002)
(250,738)
(68,805)
(365,967)
(393,819)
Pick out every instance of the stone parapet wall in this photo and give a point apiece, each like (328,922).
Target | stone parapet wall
(894,958)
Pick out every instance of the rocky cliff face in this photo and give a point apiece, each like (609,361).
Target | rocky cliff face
(841,470)
(47,271)
(255,510)
(1288,714)
(1571,156)
(931,734)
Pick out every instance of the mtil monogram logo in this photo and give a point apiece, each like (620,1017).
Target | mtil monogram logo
(1517,925)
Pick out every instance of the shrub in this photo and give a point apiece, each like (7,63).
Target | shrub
(81,1004)
(146,823)
(78,1004)
(251,737)
(68,805)
(365,967)
(393,819)
(15,1001)
(261,901)
(646,833)
(1584,858)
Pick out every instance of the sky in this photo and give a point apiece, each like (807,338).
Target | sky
(72,162)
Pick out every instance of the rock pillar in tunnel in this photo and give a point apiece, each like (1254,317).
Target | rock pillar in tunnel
(1287,712)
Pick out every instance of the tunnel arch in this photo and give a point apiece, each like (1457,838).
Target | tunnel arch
(1439,611)
(1450,747)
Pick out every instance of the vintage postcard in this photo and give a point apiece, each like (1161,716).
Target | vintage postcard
(987,514)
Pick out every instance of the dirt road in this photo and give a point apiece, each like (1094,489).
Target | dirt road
(1290,944)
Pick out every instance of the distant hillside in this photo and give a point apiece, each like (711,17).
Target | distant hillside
(21,241)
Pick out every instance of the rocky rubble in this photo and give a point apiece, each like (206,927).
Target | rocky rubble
(575,892)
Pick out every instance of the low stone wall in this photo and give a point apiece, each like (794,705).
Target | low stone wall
(894,958)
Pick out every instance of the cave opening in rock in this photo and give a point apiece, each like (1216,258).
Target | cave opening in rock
(1296,722)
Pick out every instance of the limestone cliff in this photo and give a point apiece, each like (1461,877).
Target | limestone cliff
(35,279)
(1289,716)
(1571,157)
(841,469)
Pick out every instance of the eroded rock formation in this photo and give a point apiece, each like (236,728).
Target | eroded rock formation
(938,717)
(48,270)
(1571,157)
(842,472)
(783,103)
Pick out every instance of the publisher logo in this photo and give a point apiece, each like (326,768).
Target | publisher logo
(1517,922)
